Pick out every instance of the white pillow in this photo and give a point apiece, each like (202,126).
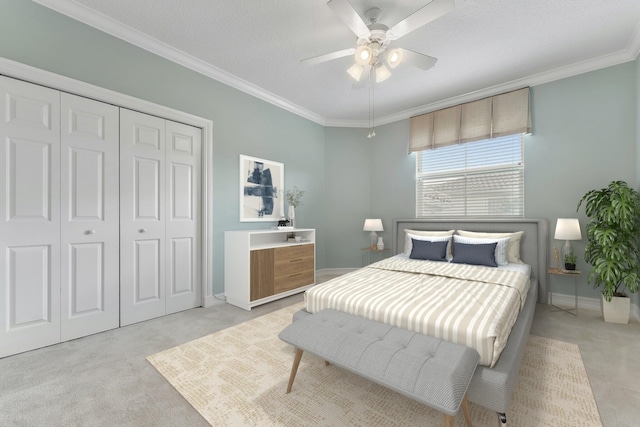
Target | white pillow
(501,246)
(513,248)
(408,238)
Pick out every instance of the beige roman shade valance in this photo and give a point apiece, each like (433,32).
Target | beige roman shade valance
(485,118)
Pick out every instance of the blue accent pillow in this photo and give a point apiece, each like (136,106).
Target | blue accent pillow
(432,251)
(475,254)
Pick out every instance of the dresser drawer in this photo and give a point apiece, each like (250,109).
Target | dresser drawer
(290,259)
(294,267)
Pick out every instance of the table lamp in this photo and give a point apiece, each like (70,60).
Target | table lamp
(567,229)
(373,225)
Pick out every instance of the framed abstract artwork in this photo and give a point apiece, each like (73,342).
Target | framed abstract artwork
(261,185)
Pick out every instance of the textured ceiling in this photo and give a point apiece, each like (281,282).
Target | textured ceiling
(483,47)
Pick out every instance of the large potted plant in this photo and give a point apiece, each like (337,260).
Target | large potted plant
(613,246)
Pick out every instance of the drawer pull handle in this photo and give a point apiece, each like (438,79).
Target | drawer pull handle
(297,274)
(296,260)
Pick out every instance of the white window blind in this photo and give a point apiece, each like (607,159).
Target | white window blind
(477,179)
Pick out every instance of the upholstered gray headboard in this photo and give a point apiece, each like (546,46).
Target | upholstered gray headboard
(533,248)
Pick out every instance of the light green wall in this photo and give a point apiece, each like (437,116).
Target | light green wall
(242,124)
(347,158)
(584,136)
(366,178)
(586,133)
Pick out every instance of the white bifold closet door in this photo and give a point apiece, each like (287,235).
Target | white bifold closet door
(159,217)
(90,282)
(29,216)
(59,216)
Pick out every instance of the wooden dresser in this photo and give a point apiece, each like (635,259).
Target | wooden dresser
(262,265)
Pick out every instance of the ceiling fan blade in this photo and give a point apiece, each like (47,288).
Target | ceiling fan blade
(422,16)
(349,16)
(419,60)
(328,56)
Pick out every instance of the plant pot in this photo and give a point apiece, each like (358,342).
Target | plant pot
(617,310)
(568,266)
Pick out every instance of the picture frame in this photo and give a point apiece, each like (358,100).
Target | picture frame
(261,190)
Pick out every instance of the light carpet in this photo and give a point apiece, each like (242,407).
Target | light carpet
(238,377)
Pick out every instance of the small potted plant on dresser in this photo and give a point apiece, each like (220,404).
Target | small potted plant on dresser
(613,246)
(570,262)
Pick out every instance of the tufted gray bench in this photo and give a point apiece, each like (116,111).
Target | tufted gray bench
(429,370)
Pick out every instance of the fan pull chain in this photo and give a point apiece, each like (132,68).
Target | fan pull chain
(372,94)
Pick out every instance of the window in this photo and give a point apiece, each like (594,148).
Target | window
(475,179)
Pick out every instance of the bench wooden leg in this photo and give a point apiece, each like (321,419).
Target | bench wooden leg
(294,369)
(465,410)
(448,419)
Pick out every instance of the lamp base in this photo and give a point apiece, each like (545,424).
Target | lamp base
(374,238)
(567,249)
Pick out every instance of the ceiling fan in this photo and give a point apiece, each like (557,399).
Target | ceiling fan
(372,53)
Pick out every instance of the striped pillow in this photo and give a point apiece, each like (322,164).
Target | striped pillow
(513,247)
(427,233)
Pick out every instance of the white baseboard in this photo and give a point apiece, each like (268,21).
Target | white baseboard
(214,299)
(566,300)
(587,303)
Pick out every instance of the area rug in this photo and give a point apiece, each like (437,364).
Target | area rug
(238,377)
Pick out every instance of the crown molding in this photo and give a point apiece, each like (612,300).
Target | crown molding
(627,55)
(110,26)
(116,29)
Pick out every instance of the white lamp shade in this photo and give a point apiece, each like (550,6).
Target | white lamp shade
(394,57)
(363,55)
(568,229)
(355,71)
(382,73)
(373,225)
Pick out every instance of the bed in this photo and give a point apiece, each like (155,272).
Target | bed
(388,290)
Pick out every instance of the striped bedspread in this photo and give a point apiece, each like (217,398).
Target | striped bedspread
(470,305)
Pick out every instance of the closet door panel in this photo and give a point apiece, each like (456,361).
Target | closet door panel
(142,217)
(90,217)
(29,216)
(183,217)
(30,180)
(147,278)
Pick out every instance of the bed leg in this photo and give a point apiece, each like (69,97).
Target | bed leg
(502,419)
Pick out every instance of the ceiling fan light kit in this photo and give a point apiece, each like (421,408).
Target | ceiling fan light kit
(373,60)
(374,39)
